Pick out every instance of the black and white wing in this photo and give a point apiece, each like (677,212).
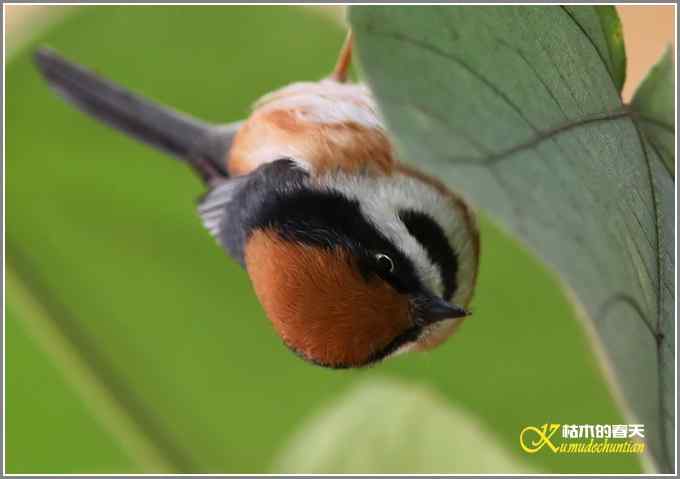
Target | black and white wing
(219,211)
(233,207)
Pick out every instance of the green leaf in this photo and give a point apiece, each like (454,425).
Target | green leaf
(613,33)
(516,108)
(602,27)
(108,412)
(388,426)
(654,106)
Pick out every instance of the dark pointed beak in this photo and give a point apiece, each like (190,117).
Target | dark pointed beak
(429,309)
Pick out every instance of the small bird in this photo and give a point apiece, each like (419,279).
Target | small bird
(354,255)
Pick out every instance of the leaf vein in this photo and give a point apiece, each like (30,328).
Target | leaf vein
(458,61)
(543,136)
(654,121)
(531,66)
(659,334)
(592,42)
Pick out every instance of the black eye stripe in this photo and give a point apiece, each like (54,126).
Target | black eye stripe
(432,237)
(327,219)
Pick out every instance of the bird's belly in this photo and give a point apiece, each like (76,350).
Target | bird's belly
(325,102)
(322,126)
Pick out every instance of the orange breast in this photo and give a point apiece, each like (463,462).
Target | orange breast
(320,304)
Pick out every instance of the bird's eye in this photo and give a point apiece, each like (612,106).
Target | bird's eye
(384,262)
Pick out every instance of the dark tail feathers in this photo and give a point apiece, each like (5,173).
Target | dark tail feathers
(205,147)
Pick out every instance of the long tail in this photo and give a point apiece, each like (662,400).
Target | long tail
(205,147)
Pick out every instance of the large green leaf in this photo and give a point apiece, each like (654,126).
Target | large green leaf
(518,108)
(394,427)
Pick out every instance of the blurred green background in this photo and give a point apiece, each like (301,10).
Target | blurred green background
(135,345)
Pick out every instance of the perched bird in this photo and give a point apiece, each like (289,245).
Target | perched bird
(353,255)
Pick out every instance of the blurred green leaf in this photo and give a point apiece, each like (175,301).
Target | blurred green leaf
(106,229)
(654,105)
(106,408)
(393,427)
(519,108)
(43,409)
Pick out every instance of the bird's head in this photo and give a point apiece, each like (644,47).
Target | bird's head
(353,270)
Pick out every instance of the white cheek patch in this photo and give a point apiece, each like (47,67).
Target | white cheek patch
(441,327)
(404,348)
(435,329)
(410,193)
(382,198)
